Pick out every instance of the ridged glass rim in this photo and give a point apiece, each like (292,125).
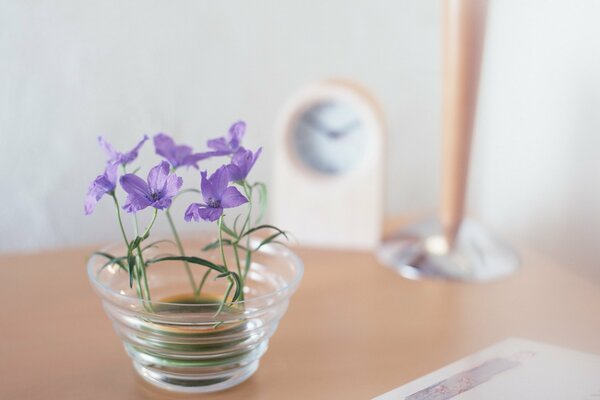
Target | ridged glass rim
(270,248)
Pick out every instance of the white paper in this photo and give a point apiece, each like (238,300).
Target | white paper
(512,369)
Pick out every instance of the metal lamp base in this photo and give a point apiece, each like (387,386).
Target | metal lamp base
(420,251)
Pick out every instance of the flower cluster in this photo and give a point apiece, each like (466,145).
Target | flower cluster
(219,190)
(162,184)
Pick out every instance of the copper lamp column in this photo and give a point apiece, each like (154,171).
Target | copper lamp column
(451,246)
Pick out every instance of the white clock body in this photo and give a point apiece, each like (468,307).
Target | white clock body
(329,167)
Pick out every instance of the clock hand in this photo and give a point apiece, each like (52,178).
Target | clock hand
(336,134)
(333,134)
(316,124)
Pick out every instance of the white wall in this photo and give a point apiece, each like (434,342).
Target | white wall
(71,70)
(539,128)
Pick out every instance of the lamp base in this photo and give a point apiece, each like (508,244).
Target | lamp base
(420,251)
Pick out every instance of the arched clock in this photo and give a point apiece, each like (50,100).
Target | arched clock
(329,166)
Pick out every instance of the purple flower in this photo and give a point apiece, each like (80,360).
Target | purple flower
(102,185)
(217,196)
(158,192)
(241,163)
(230,144)
(116,157)
(177,155)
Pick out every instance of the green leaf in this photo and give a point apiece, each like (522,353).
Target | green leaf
(118,261)
(262,201)
(238,286)
(265,226)
(228,231)
(103,254)
(248,263)
(131,258)
(215,244)
(280,243)
(224,299)
(201,261)
(153,244)
(161,255)
(111,260)
(191,259)
(135,243)
(235,223)
(131,263)
(269,239)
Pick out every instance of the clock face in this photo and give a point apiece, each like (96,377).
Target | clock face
(330,137)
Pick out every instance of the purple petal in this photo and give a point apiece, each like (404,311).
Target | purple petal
(180,153)
(139,145)
(110,172)
(192,212)
(135,204)
(219,180)
(219,144)
(235,173)
(157,177)
(244,160)
(172,186)
(117,157)
(206,187)
(162,203)
(193,159)
(90,204)
(236,133)
(110,151)
(138,194)
(98,188)
(255,156)
(232,198)
(210,214)
(133,184)
(102,185)
(197,212)
(177,155)
(163,145)
(133,153)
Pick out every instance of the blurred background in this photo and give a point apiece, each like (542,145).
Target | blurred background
(72,70)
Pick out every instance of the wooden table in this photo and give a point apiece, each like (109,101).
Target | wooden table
(354,330)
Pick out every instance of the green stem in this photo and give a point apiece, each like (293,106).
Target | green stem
(141,264)
(237,258)
(142,269)
(239,268)
(147,230)
(136,227)
(220,225)
(182,253)
(248,263)
(248,191)
(222,305)
(120,219)
(204,277)
(207,273)
(138,286)
(135,219)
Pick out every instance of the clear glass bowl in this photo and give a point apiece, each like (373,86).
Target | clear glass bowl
(185,347)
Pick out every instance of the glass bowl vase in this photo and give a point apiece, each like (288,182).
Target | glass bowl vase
(181,342)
